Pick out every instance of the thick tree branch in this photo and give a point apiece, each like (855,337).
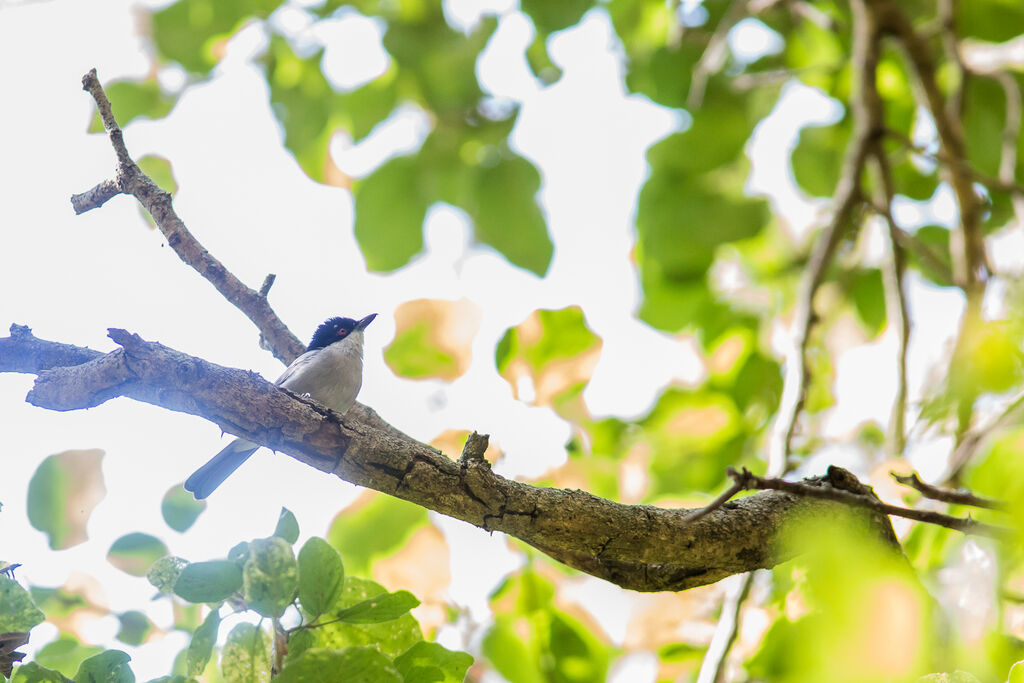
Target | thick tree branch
(131,180)
(635,546)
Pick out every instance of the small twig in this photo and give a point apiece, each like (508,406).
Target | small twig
(1011,131)
(867,127)
(895,304)
(958,497)
(714,505)
(268,282)
(940,157)
(131,180)
(971,442)
(950,45)
(714,54)
(473,451)
(712,667)
(967,525)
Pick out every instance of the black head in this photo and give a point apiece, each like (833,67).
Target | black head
(336,329)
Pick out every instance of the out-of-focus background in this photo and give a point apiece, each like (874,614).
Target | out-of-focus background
(583,227)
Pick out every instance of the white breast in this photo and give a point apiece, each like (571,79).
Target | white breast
(332,375)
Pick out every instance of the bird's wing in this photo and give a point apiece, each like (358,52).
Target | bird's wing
(298,364)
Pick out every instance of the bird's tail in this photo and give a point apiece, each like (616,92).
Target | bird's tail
(207,478)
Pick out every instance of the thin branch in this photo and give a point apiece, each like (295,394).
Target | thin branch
(1011,132)
(895,304)
(713,57)
(967,525)
(951,47)
(713,666)
(941,157)
(867,127)
(715,504)
(972,441)
(958,497)
(131,180)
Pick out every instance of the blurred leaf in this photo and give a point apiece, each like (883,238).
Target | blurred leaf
(135,627)
(549,17)
(165,573)
(995,20)
(374,529)
(18,612)
(132,99)
(134,553)
(817,157)
(390,637)
(868,295)
(506,651)
(432,663)
(984,114)
(33,673)
(384,607)
(555,350)
(187,31)
(159,170)
(433,338)
(287,526)
(955,677)
(210,582)
(321,576)
(65,654)
(506,215)
(107,667)
(270,577)
(180,509)
(62,494)
(200,648)
(246,655)
(304,103)
(989,359)
(389,215)
(352,664)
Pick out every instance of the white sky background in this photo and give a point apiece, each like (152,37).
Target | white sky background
(247,201)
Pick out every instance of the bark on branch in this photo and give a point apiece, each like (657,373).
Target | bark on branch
(641,547)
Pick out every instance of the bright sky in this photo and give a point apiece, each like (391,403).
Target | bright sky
(247,201)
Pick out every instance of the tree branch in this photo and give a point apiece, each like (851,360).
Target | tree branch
(960,497)
(641,547)
(131,180)
(839,492)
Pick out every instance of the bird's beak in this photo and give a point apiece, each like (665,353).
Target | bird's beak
(365,321)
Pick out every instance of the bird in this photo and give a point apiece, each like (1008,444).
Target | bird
(330,372)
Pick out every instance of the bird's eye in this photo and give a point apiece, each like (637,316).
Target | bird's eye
(342,332)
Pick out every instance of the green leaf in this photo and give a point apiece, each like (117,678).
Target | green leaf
(188,31)
(134,553)
(351,665)
(304,103)
(132,99)
(135,627)
(432,663)
(270,576)
(549,17)
(321,576)
(33,673)
(374,529)
(995,20)
(165,573)
(18,613)
(246,655)
(107,667)
(287,526)
(868,295)
(62,494)
(414,354)
(180,509)
(390,637)
(65,654)
(159,170)
(817,157)
(389,214)
(200,648)
(212,581)
(384,607)
(506,215)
